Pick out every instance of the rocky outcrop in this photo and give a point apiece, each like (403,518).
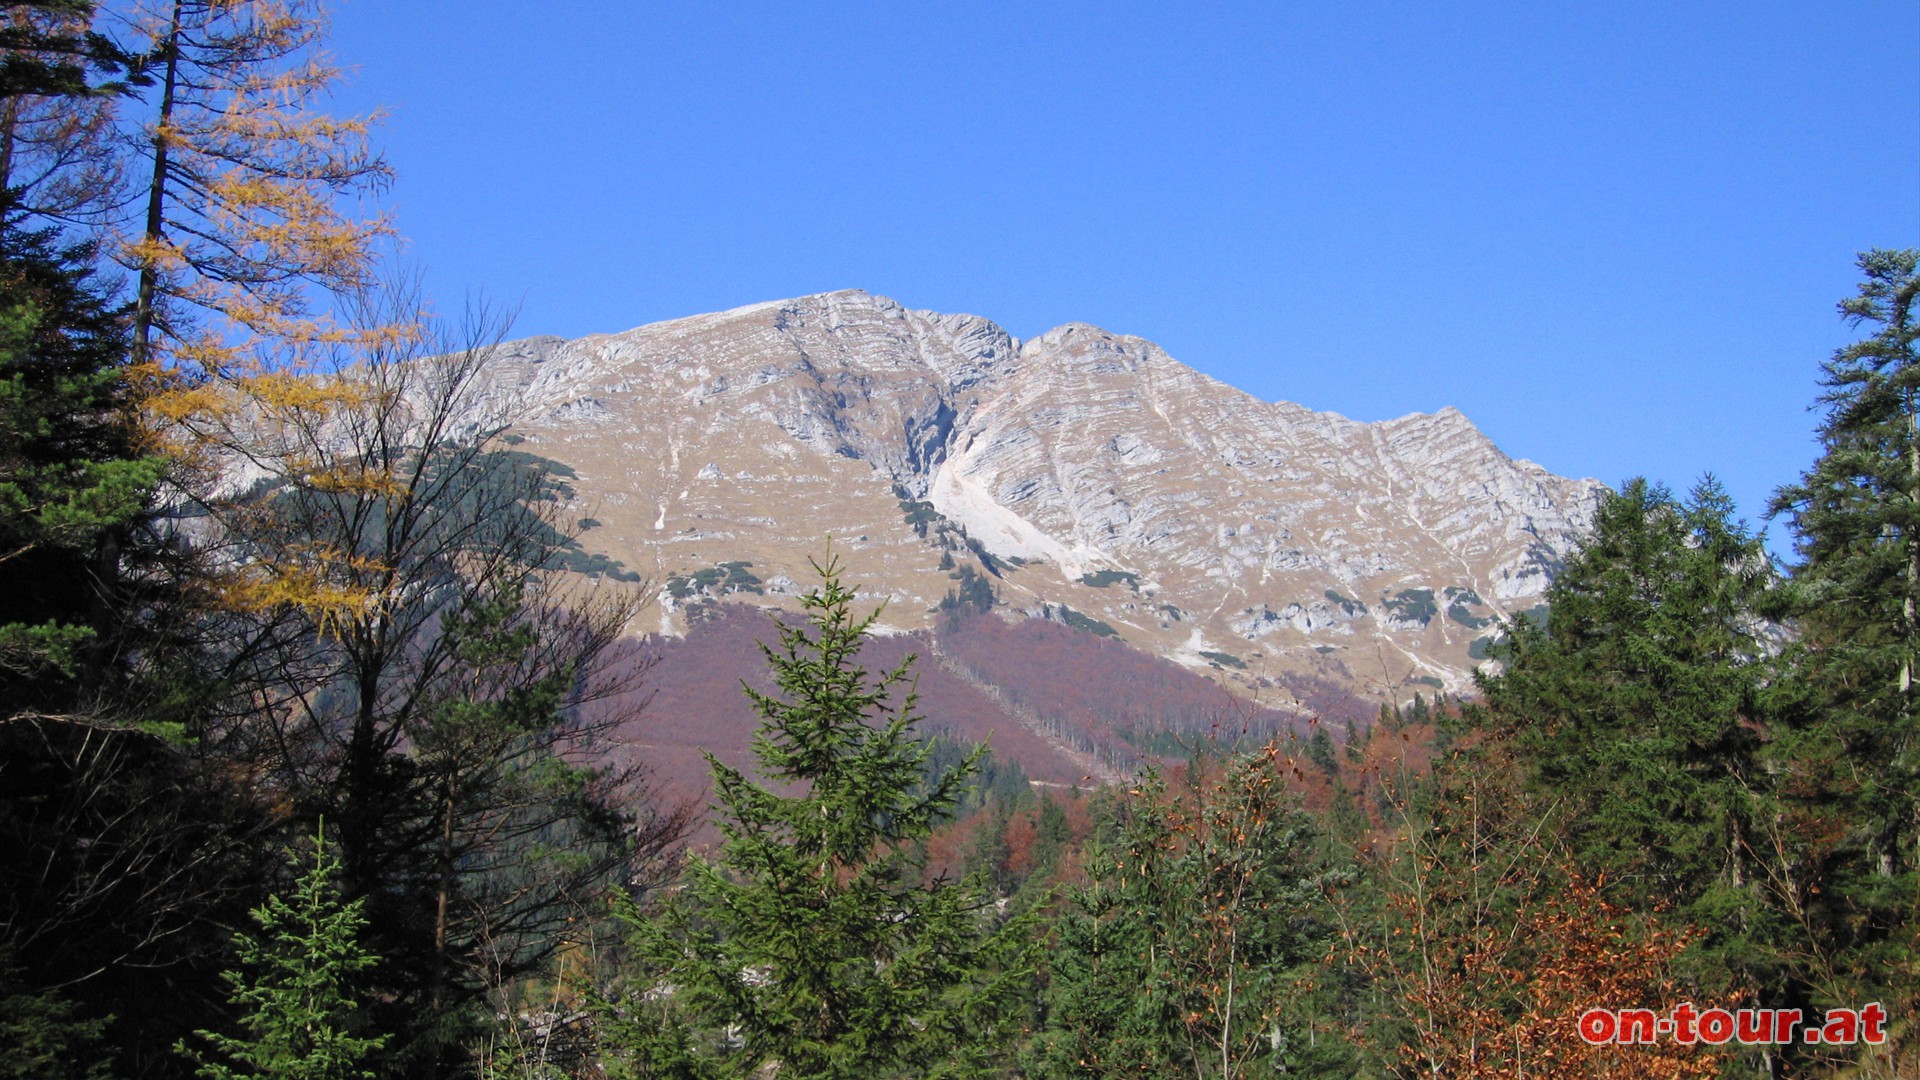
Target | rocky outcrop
(1079,471)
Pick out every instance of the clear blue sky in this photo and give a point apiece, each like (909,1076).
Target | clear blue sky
(1612,234)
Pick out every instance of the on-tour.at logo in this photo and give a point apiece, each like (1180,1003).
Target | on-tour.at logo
(1686,1025)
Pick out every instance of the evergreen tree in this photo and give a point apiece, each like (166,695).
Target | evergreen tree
(60,84)
(1638,706)
(49,50)
(987,852)
(1346,821)
(1320,751)
(42,1038)
(296,997)
(1051,834)
(74,484)
(75,477)
(812,944)
(1192,950)
(1856,519)
(117,848)
(1417,713)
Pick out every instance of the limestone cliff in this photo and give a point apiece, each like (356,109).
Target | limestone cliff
(1087,476)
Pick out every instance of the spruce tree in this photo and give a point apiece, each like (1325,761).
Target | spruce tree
(115,845)
(1052,834)
(1193,948)
(1855,604)
(813,941)
(1638,703)
(73,482)
(42,1038)
(1320,751)
(296,999)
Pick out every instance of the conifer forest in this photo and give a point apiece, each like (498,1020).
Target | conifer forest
(316,754)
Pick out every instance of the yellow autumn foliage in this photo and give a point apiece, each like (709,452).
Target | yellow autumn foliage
(251,222)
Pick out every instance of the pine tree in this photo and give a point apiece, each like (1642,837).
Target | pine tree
(296,997)
(812,941)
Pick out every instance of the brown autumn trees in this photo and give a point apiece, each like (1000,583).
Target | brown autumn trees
(1481,943)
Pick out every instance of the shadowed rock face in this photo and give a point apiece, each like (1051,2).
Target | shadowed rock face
(1087,475)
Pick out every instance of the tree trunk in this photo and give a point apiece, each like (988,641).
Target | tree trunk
(1910,603)
(1910,607)
(9,122)
(360,776)
(10,118)
(143,315)
(437,995)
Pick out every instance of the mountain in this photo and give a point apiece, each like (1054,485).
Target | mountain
(1080,477)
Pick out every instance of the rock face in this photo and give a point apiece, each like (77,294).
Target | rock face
(1083,475)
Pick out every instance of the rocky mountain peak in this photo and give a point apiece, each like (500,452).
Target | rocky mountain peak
(1080,471)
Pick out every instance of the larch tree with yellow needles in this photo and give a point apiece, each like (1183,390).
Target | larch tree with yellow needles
(254,251)
(249,208)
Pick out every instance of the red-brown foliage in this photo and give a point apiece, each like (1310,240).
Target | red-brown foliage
(1103,696)
(694,703)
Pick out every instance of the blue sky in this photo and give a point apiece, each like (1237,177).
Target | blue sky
(1612,234)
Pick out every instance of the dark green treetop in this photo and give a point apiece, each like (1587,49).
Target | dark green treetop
(295,996)
(48,49)
(1637,704)
(1855,604)
(814,940)
(74,482)
(1193,948)
(1856,513)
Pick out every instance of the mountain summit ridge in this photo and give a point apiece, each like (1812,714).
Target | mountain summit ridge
(1085,475)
